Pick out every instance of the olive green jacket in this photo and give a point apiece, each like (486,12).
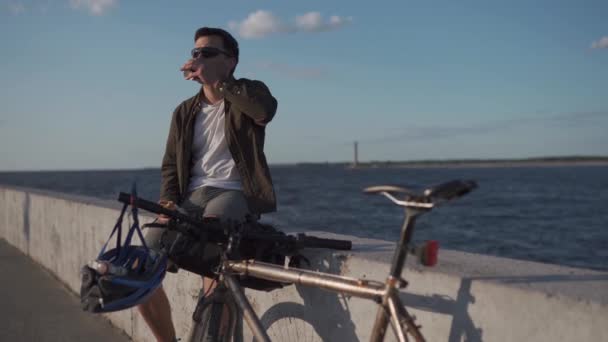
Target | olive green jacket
(249,106)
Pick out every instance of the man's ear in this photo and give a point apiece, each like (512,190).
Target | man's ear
(231,62)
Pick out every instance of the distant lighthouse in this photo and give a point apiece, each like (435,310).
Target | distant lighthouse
(356,162)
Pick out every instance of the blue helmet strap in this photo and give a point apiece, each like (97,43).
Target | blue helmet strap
(122,250)
(117,228)
(134,227)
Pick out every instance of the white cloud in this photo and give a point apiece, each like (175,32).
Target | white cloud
(258,24)
(309,21)
(313,22)
(600,44)
(16,8)
(95,7)
(263,23)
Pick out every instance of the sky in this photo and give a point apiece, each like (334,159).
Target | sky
(92,84)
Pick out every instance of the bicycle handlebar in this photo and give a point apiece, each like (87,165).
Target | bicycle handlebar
(156,208)
(217,233)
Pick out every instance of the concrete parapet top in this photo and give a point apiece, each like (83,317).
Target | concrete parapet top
(553,280)
(66,196)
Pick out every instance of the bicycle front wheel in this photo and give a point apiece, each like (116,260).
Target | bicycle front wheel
(213,321)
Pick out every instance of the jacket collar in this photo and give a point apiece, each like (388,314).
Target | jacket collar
(198,102)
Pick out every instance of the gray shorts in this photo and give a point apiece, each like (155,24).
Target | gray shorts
(204,202)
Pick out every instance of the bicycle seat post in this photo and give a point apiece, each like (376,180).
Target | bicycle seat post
(414,205)
(407,230)
(394,279)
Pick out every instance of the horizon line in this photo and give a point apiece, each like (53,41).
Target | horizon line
(563,158)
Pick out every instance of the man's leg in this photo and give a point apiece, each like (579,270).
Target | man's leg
(228,204)
(156,311)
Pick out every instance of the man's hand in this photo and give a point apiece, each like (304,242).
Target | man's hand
(189,69)
(195,70)
(165,204)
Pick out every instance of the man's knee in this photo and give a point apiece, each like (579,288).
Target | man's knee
(230,205)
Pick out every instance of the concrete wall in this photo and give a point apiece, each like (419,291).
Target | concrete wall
(467,297)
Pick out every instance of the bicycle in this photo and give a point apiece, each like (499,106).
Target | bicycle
(208,313)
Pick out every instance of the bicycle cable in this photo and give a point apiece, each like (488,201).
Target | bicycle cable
(207,291)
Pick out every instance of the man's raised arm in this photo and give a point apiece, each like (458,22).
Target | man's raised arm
(252,97)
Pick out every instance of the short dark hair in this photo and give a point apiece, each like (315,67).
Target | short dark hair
(230,44)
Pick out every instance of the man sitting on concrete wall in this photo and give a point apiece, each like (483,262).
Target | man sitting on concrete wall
(214,164)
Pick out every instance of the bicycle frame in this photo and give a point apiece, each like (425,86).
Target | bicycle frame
(386,295)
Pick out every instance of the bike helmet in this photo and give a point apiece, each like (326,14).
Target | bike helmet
(124,276)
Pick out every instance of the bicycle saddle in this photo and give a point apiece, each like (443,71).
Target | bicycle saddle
(444,191)
(451,189)
(389,188)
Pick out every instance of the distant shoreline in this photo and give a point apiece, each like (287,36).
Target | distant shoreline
(474,163)
(414,165)
(451,163)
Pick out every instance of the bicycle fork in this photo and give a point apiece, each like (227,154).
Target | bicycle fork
(390,300)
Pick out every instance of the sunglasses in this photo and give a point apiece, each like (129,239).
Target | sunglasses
(207,52)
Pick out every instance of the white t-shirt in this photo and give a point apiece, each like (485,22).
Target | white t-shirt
(213,163)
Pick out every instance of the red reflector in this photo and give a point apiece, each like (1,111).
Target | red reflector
(431,250)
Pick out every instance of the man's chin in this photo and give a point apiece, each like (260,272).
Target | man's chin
(201,81)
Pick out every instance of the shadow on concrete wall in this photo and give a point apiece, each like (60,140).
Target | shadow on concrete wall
(462,328)
(332,323)
(335,319)
(549,278)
